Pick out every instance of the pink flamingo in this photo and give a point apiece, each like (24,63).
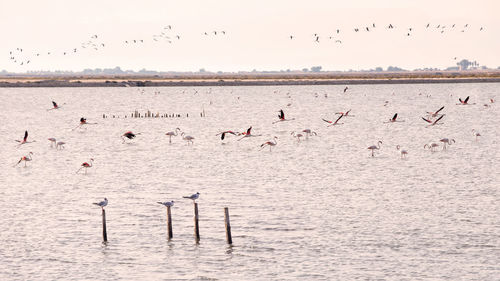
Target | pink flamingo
(129,135)
(309,132)
(464,102)
(333,123)
(248,134)
(345,114)
(435,114)
(394,119)
(282,118)
(60,145)
(431,146)
(172,133)
(25,139)
(298,136)
(188,139)
(223,134)
(55,106)
(52,141)
(476,133)
(86,165)
(403,151)
(446,141)
(272,143)
(25,159)
(373,147)
(432,123)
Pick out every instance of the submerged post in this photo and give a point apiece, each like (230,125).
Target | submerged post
(104,232)
(228,226)
(169,222)
(196,225)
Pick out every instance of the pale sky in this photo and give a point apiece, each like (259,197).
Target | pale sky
(257,34)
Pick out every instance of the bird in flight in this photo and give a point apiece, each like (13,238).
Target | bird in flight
(333,123)
(435,122)
(282,118)
(434,114)
(25,139)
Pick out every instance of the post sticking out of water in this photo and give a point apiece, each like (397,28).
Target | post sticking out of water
(104,232)
(228,226)
(196,225)
(169,222)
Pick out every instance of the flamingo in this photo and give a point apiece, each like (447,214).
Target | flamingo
(333,123)
(172,133)
(282,118)
(25,159)
(52,141)
(86,165)
(403,151)
(223,134)
(476,133)
(308,133)
(345,89)
(60,145)
(435,114)
(298,136)
(272,143)
(431,146)
(435,122)
(129,135)
(345,114)
(248,134)
(55,106)
(25,139)
(464,102)
(394,119)
(446,141)
(188,139)
(373,147)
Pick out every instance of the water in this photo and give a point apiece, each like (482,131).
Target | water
(322,209)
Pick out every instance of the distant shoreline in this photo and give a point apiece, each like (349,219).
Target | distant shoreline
(245,80)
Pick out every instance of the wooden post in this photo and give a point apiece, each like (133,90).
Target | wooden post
(104,232)
(228,226)
(196,225)
(169,222)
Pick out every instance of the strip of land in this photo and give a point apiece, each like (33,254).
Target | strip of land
(251,79)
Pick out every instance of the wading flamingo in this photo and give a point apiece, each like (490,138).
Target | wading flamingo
(60,145)
(403,151)
(446,141)
(431,146)
(172,133)
(373,147)
(476,133)
(188,139)
(52,142)
(25,159)
(309,132)
(298,136)
(272,143)
(86,165)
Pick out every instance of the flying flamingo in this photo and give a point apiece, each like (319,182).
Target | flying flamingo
(83,121)
(129,135)
(223,134)
(476,133)
(172,133)
(55,106)
(308,133)
(435,114)
(373,147)
(446,141)
(345,114)
(248,134)
(25,139)
(86,165)
(345,89)
(334,123)
(464,102)
(282,118)
(433,123)
(272,143)
(25,159)
(188,139)
(403,151)
(431,146)
(298,136)
(394,119)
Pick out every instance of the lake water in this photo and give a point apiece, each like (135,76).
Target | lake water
(321,209)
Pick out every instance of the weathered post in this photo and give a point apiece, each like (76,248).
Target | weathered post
(169,222)
(196,224)
(104,232)
(228,226)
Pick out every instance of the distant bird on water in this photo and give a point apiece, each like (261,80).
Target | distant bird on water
(375,147)
(25,159)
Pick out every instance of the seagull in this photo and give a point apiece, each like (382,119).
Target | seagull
(167,204)
(192,196)
(102,204)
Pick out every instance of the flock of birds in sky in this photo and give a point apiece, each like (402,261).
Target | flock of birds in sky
(432,118)
(21,56)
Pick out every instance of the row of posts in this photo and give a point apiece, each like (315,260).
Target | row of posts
(227,222)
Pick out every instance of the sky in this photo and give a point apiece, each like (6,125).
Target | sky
(257,34)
